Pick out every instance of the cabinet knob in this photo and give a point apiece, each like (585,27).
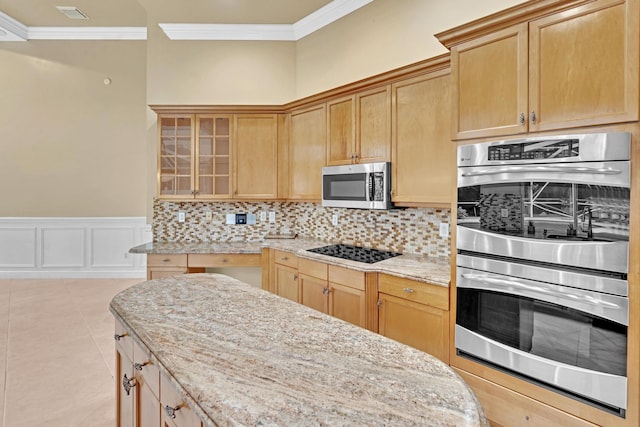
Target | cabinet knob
(533,116)
(171,410)
(284,258)
(295,277)
(409,290)
(128,384)
(139,366)
(521,119)
(118,337)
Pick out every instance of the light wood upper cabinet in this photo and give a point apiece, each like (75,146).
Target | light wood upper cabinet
(307,153)
(423,156)
(213,156)
(570,69)
(256,156)
(175,160)
(358,127)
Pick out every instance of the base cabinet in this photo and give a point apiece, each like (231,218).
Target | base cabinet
(414,313)
(285,270)
(144,396)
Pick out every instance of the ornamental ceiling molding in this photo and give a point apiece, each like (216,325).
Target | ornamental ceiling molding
(13,30)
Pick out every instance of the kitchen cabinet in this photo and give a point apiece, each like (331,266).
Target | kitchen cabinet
(359,127)
(255,154)
(577,67)
(175,159)
(423,156)
(414,313)
(286,275)
(144,396)
(163,265)
(307,153)
(212,178)
(334,290)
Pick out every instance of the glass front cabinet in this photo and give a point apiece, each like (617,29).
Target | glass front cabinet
(194,156)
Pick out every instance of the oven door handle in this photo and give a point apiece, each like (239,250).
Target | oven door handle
(543,169)
(577,300)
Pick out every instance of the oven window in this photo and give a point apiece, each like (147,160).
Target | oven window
(546,210)
(543,329)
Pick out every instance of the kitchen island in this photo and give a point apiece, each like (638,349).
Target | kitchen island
(243,356)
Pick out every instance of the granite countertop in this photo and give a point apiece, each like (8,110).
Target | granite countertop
(243,356)
(435,270)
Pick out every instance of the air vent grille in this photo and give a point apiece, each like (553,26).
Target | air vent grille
(72,12)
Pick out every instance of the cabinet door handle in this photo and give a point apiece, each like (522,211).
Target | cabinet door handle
(128,384)
(533,116)
(118,337)
(409,290)
(171,410)
(295,277)
(521,119)
(139,366)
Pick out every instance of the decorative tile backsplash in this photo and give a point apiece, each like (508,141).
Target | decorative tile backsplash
(411,230)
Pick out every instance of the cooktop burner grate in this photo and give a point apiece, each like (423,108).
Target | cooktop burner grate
(355,253)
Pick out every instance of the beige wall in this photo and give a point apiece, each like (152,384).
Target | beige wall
(69,144)
(379,37)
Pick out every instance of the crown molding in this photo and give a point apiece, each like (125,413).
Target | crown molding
(87,33)
(12,30)
(273,32)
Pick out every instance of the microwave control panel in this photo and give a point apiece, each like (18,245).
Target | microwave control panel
(551,149)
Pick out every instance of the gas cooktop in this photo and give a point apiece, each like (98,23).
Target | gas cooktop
(355,253)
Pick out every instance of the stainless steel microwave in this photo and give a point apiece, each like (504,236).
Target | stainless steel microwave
(360,186)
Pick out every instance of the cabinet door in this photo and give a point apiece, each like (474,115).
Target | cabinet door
(341,131)
(256,156)
(175,157)
(418,325)
(213,157)
(584,66)
(147,407)
(175,411)
(424,162)
(373,125)
(314,293)
(490,84)
(307,153)
(286,279)
(348,304)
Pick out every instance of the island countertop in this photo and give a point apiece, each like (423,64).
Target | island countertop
(244,356)
(423,268)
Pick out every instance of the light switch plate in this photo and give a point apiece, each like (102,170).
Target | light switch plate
(208,216)
(444,230)
(334,219)
(181,216)
(263,216)
(272,217)
(251,219)
(231,219)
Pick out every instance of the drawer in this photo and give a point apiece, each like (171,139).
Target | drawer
(167,260)
(124,342)
(225,260)
(424,293)
(173,403)
(347,277)
(285,258)
(312,268)
(145,370)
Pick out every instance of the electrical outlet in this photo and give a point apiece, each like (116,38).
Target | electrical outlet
(231,219)
(334,219)
(208,216)
(504,213)
(181,216)
(263,216)
(444,230)
(272,217)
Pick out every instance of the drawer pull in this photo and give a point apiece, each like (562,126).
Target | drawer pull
(128,384)
(166,260)
(139,366)
(409,290)
(118,337)
(171,410)
(284,258)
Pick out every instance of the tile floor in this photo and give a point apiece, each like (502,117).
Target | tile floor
(56,352)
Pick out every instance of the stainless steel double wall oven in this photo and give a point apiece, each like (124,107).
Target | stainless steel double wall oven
(542,262)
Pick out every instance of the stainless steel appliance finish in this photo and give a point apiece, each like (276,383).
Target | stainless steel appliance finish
(543,248)
(361,186)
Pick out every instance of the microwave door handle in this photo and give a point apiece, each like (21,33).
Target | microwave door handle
(545,169)
(370,191)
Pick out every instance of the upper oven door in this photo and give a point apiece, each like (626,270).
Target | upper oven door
(573,214)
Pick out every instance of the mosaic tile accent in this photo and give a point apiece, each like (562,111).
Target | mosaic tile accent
(501,212)
(411,230)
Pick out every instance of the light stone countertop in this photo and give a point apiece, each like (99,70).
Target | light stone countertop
(243,356)
(435,270)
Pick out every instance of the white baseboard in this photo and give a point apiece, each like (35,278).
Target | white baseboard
(46,247)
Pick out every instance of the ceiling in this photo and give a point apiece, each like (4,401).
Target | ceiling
(38,17)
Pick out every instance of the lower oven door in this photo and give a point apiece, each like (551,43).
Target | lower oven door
(570,339)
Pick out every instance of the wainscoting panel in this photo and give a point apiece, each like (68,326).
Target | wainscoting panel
(72,247)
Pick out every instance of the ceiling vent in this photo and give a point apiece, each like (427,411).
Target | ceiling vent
(72,12)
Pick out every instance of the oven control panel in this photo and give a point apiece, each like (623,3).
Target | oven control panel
(548,149)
